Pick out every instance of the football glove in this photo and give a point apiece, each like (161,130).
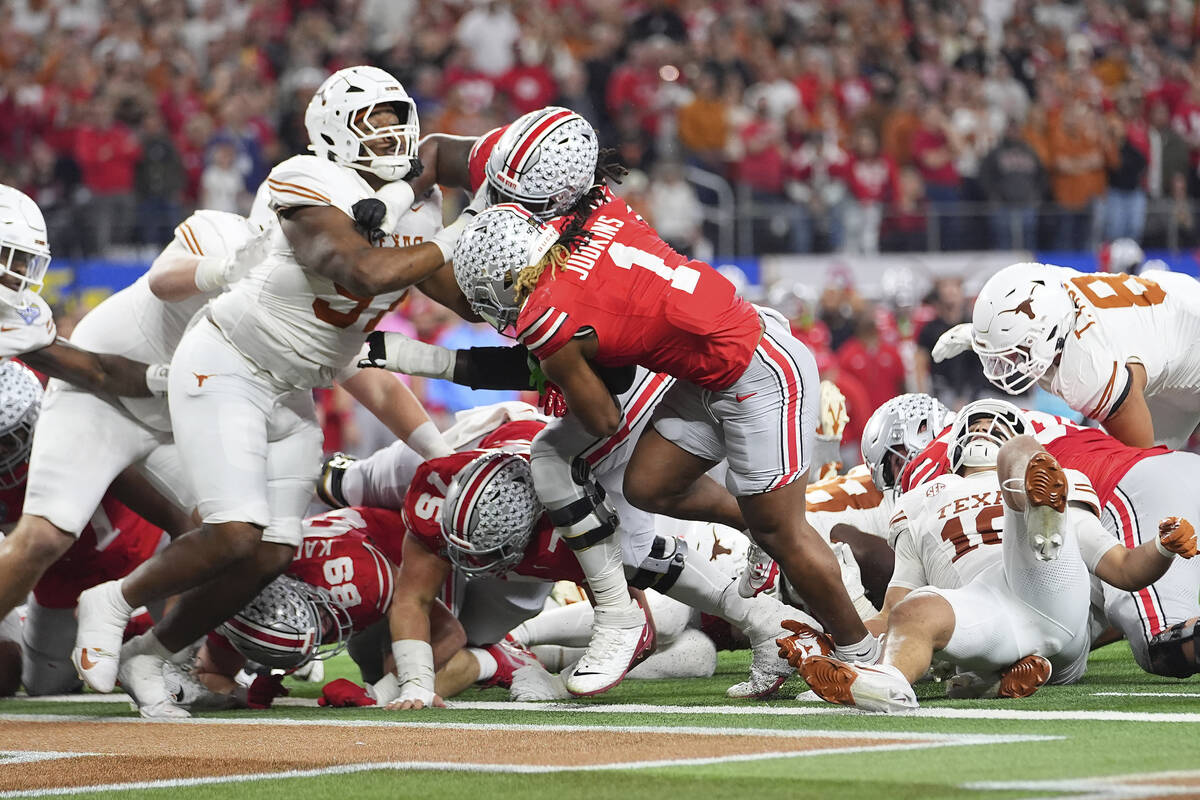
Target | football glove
(834,418)
(448,236)
(343,693)
(368,218)
(805,641)
(551,401)
(264,690)
(213,273)
(1176,537)
(953,342)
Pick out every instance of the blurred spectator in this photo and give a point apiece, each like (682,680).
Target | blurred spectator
(871,178)
(1077,162)
(935,148)
(1183,214)
(659,19)
(222,187)
(955,381)
(529,84)
(901,125)
(1014,182)
(703,123)
(159,181)
(675,208)
(875,362)
(906,225)
(816,185)
(489,32)
(1125,200)
(107,153)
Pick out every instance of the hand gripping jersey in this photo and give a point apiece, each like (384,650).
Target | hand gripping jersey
(849,499)
(1122,318)
(647,305)
(943,532)
(337,555)
(301,327)
(23,330)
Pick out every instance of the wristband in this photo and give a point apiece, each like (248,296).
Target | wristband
(210,273)
(386,689)
(427,442)
(1162,551)
(414,665)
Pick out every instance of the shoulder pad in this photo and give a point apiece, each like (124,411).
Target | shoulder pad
(1080,490)
(214,233)
(311,181)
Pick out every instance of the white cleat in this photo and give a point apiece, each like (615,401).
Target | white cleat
(187,692)
(611,653)
(533,682)
(102,620)
(141,675)
(760,574)
(881,687)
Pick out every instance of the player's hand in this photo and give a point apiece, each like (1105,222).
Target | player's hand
(448,236)
(398,353)
(1177,536)
(247,256)
(414,698)
(552,402)
(953,342)
(398,198)
(369,214)
(834,419)
(805,641)
(264,690)
(343,693)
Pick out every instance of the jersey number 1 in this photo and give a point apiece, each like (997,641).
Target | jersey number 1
(682,277)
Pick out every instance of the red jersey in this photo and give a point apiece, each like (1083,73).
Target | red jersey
(647,305)
(547,557)
(480,151)
(115,541)
(336,554)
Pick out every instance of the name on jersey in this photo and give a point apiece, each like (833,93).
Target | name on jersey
(405,241)
(314,548)
(962,504)
(603,230)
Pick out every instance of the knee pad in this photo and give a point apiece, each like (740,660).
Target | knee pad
(1175,652)
(661,567)
(574,501)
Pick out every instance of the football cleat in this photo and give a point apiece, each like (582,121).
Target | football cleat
(1020,680)
(872,688)
(510,657)
(610,654)
(187,692)
(102,621)
(760,574)
(329,486)
(1046,501)
(141,675)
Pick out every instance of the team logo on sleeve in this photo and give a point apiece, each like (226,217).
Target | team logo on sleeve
(29,314)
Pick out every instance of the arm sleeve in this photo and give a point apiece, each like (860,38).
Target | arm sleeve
(386,475)
(493,368)
(909,572)
(1093,540)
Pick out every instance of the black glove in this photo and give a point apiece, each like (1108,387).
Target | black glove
(368,216)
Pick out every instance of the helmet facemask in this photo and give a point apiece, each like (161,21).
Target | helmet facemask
(980,430)
(388,151)
(896,432)
(1017,368)
(489,514)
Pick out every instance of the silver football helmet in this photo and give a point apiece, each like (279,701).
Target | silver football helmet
(24,247)
(897,431)
(980,429)
(339,130)
(289,624)
(499,243)
(489,514)
(545,161)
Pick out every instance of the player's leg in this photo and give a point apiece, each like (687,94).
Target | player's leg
(46,643)
(664,478)
(10,653)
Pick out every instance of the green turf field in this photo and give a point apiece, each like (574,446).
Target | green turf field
(1063,741)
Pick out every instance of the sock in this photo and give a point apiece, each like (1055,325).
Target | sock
(601,563)
(487,663)
(116,595)
(866,651)
(569,625)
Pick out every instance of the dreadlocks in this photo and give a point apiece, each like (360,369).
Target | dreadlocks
(574,233)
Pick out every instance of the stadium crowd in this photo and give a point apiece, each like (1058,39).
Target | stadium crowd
(855,125)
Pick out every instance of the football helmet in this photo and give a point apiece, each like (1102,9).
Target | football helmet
(545,161)
(1021,320)
(499,243)
(489,514)
(980,429)
(20,404)
(339,130)
(24,248)
(1125,255)
(289,624)
(901,427)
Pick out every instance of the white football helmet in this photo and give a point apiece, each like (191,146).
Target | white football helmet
(499,243)
(489,514)
(1125,255)
(336,120)
(545,161)
(24,247)
(289,624)
(20,405)
(901,427)
(980,429)
(1021,320)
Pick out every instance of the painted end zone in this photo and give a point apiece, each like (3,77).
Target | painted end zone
(105,755)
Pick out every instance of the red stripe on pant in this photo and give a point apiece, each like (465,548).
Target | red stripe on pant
(1145,597)
(635,408)
(791,422)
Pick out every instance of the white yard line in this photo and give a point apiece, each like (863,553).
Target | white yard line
(1145,694)
(1116,787)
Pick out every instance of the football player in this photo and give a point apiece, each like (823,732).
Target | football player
(241,401)
(992,565)
(1119,349)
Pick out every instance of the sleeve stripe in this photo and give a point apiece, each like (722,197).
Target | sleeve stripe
(192,243)
(292,188)
(1106,395)
(550,329)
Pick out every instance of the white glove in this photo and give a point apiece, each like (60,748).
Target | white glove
(834,418)
(157,378)
(214,273)
(953,342)
(448,236)
(398,353)
(398,197)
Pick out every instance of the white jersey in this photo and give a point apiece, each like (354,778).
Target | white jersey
(944,532)
(136,324)
(299,326)
(25,329)
(849,499)
(1154,321)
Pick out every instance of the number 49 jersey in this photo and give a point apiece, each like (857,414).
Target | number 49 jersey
(299,326)
(335,554)
(1122,318)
